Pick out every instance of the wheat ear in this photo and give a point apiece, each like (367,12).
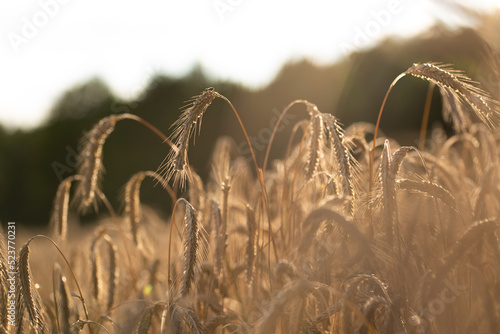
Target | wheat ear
(91,166)
(315,148)
(59,219)
(190,248)
(176,164)
(388,183)
(194,245)
(64,311)
(342,155)
(113,272)
(146,318)
(96,268)
(433,190)
(133,202)
(219,236)
(26,288)
(458,89)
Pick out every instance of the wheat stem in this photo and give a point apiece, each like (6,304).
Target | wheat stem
(425,118)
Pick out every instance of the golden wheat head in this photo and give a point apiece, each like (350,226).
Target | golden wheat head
(460,94)
(91,166)
(176,165)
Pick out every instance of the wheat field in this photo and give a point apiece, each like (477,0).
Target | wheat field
(348,232)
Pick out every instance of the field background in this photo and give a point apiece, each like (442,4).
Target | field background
(344,239)
(34,162)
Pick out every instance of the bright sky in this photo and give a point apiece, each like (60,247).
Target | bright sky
(47,46)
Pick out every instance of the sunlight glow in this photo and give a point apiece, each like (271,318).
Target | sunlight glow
(47,46)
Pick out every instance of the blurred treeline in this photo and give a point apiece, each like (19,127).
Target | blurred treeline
(32,163)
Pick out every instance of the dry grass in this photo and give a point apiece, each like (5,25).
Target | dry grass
(348,233)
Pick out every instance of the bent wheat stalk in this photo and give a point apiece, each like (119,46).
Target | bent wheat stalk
(458,92)
(91,166)
(176,165)
(311,109)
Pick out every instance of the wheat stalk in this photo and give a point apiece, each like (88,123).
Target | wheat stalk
(251,249)
(387,182)
(197,194)
(312,110)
